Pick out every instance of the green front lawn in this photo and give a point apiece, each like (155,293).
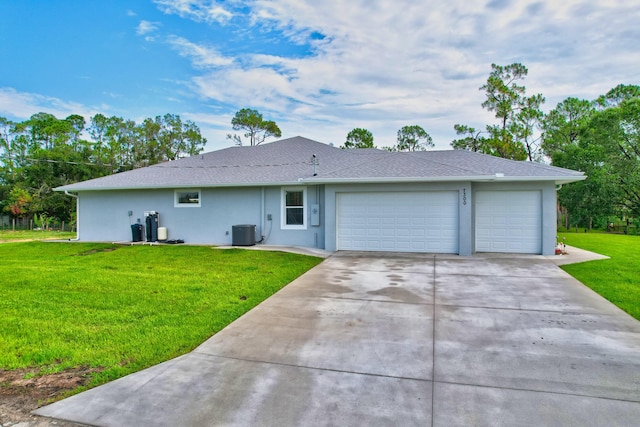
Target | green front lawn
(18,235)
(617,279)
(124,308)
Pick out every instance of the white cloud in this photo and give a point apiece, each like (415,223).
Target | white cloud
(197,10)
(22,105)
(381,64)
(201,56)
(385,64)
(112,94)
(147,29)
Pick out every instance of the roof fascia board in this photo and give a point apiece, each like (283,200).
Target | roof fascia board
(481,178)
(307,181)
(396,179)
(178,186)
(556,179)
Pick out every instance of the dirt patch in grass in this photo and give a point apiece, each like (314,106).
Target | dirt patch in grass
(22,391)
(96,251)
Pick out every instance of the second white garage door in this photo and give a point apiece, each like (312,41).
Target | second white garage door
(509,221)
(398,222)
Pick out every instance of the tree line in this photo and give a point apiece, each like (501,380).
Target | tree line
(409,138)
(599,137)
(44,152)
(257,130)
(602,139)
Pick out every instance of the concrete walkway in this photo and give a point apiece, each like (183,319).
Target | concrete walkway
(397,340)
(575,255)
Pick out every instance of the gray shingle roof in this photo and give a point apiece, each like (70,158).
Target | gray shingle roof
(289,161)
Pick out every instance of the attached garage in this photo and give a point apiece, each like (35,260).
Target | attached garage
(508,221)
(398,221)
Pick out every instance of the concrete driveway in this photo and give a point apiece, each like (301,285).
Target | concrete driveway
(397,340)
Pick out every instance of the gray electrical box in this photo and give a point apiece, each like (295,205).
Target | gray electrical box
(315,215)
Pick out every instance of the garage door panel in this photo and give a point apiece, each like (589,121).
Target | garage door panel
(406,221)
(508,221)
(419,221)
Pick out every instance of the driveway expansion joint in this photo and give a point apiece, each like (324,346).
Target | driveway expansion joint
(314,368)
(433,340)
(531,390)
(532,310)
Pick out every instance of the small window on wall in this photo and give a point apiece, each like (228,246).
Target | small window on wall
(186,199)
(294,208)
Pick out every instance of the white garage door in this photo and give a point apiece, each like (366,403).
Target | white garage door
(398,222)
(509,221)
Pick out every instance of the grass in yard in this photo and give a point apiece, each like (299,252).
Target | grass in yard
(617,279)
(124,308)
(18,235)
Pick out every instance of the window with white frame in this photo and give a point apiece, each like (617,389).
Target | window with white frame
(294,208)
(186,198)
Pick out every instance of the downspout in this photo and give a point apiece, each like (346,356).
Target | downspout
(558,212)
(262,213)
(315,237)
(77,215)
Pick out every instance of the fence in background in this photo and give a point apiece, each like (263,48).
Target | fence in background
(17,224)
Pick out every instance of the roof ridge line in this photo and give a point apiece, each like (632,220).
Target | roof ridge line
(233,166)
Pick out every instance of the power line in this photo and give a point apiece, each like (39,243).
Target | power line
(68,162)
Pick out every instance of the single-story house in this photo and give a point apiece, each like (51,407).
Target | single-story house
(305,193)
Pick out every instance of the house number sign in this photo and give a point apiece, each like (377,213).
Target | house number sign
(464,196)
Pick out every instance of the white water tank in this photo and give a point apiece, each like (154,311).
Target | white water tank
(162,234)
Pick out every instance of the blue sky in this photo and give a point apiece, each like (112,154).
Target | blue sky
(318,68)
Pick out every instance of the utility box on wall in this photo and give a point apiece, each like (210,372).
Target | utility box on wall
(315,215)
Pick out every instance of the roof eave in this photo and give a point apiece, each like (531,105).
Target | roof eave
(320,180)
(476,178)
(177,186)
(557,179)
